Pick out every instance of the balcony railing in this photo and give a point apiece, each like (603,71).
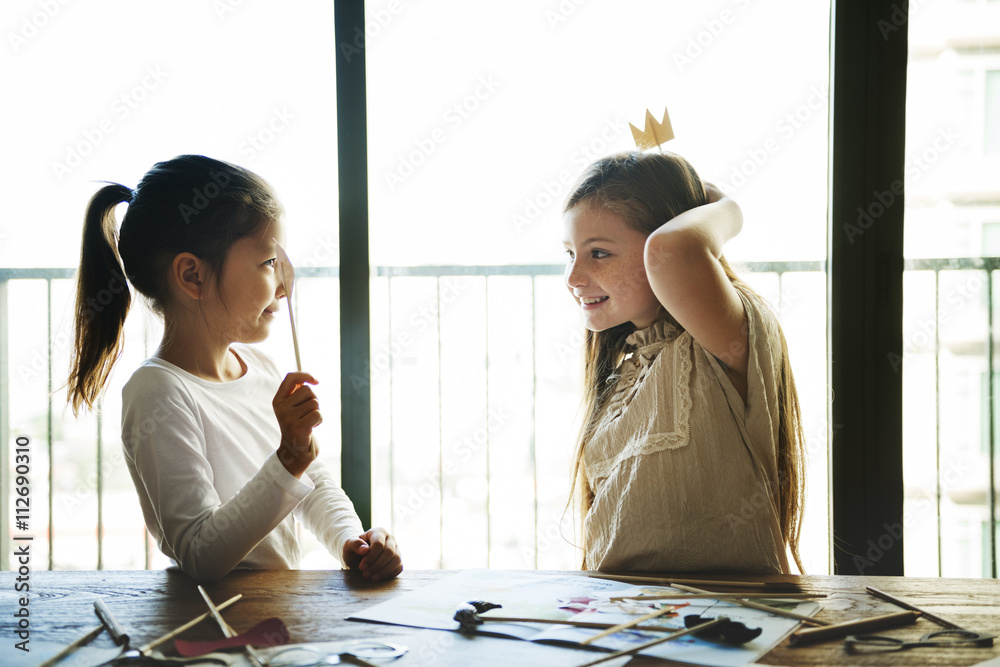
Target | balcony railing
(394,476)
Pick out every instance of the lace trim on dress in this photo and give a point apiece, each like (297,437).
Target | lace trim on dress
(649,343)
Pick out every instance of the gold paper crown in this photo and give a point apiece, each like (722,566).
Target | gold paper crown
(656,133)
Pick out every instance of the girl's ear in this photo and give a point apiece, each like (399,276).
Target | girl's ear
(188,273)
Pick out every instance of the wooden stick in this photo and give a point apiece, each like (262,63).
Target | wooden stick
(650,644)
(190,624)
(722,596)
(227,631)
(761,607)
(284,265)
(93,632)
(295,336)
(864,625)
(697,582)
(625,626)
(576,624)
(906,605)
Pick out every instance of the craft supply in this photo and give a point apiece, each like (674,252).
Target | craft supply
(953,634)
(625,626)
(721,596)
(656,133)
(226,630)
(660,640)
(114,629)
(840,630)
(552,621)
(558,596)
(949,638)
(190,624)
(784,586)
(730,632)
(470,617)
(90,634)
(906,605)
(758,606)
(287,273)
(269,632)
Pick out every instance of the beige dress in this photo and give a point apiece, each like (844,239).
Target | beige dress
(684,475)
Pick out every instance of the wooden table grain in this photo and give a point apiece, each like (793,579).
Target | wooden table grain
(314,604)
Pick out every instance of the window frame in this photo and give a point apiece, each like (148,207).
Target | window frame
(865,278)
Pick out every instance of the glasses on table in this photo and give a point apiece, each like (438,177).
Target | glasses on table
(356,653)
(939,638)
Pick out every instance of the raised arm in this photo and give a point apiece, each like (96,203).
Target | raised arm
(682,264)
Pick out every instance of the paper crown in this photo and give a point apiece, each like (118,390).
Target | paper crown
(656,133)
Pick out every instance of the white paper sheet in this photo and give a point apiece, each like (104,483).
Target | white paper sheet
(539,595)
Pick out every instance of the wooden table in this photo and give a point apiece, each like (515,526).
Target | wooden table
(314,605)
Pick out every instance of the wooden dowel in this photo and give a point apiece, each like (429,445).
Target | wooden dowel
(575,624)
(860,626)
(190,624)
(906,605)
(782,585)
(625,626)
(227,630)
(762,607)
(650,644)
(722,596)
(93,632)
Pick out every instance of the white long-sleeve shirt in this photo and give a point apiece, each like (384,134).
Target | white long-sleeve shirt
(214,495)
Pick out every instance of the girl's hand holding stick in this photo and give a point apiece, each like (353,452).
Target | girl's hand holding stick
(287,273)
(297,409)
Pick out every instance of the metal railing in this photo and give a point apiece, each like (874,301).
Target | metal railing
(988,265)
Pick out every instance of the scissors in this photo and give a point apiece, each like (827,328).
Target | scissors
(358,653)
(939,638)
(952,635)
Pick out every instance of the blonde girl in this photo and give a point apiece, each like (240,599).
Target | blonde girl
(690,454)
(217,442)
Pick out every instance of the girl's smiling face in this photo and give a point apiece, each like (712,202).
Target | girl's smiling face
(247,294)
(605,272)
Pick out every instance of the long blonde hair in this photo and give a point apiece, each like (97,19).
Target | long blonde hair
(646,190)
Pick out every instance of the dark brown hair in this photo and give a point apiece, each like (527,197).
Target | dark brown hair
(191,203)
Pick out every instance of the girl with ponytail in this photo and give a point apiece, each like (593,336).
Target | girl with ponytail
(219,445)
(690,457)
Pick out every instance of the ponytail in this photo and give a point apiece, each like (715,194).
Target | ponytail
(102,299)
(191,204)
